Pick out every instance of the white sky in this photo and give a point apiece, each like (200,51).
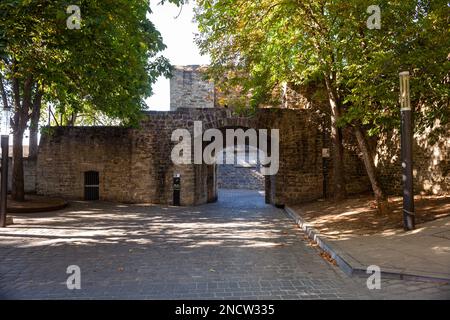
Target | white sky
(178,35)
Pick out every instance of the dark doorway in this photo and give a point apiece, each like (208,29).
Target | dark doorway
(91,186)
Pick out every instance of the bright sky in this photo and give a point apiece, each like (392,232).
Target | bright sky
(178,35)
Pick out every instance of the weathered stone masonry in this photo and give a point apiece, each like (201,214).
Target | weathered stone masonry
(431,162)
(189,88)
(66,153)
(134,165)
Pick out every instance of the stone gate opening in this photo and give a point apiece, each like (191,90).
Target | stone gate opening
(135,165)
(244,173)
(238,166)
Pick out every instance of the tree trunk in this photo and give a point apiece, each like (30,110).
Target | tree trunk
(336,139)
(19,124)
(18,183)
(380,197)
(72,119)
(34,125)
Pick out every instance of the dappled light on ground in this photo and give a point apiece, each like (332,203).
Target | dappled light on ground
(237,248)
(358,216)
(92,223)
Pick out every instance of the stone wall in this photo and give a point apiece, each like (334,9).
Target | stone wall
(231,176)
(66,153)
(356,179)
(300,177)
(189,89)
(431,150)
(245,173)
(135,166)
(431,162)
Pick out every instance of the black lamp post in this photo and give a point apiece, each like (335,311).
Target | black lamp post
(6,116)
(407,159)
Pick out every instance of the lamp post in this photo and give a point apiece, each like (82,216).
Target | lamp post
(406,145)
(6,116)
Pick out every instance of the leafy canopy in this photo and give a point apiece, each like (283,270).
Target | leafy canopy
(108,65)
(261,44)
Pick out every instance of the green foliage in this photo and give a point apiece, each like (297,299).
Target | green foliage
(414,37)
(107,66)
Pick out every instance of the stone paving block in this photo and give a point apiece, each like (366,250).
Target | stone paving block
(153,252)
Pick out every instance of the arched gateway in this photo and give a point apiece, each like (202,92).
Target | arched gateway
(134,164)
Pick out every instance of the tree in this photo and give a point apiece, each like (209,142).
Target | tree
(414,37)
(294,41)
(107,64)
(276,42)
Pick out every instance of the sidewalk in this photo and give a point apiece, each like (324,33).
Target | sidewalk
(423,254)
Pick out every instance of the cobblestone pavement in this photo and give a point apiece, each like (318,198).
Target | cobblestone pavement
(237,248)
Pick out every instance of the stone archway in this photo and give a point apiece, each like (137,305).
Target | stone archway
(135,163)
(244,170)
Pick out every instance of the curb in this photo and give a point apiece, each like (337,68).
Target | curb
(347,263)
(29,210)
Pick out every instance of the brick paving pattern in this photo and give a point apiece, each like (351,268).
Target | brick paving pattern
(237,248)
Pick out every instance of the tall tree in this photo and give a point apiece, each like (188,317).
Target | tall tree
(106,61)
(276,42)
(295,41)
(413,36)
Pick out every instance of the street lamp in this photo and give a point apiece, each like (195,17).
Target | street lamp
(407,159)
(6,116)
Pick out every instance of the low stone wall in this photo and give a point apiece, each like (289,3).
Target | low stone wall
(65,154)
(135,165)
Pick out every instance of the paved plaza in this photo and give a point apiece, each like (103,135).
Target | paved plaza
(237,248)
